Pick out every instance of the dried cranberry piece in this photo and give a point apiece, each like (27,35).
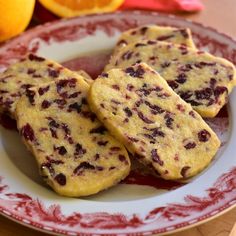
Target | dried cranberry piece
(115,101)
(45,104)
(128,112)
(157,132)
(53,133)
(130,87)
(212,82)
(30,94)
(66,129)
(90,115)
(138,103)
(139,72)
(127,55)
(180,107)
(48,165)
(144,118)
(79,150)
(33,57)
(172,84)
(184,33)
(104,74)
(99,168)
(156,157)
(143,30)
(66,82)
(165,64)
(165,37)
(53,123)
(96,157)
(102,143)
(61,179)
(140,45)
(149,136)
(230,77)
(193,102)
(74,95)
(27,132)
(184,170)
(181,78)
(157,109)
(169,120)
(75,106)
(53,73)
(151,42)
(132,139)
(115,149)
(186,68)
(204,135)
(60,102)
(204,93)
(190,145)
(115,86)
(191,113)
(185,95)
(98,130)
(83,166)
(61,150)
(220,90)
(122,158)
(30,71)
(42,90)
(183,49)
(203,63)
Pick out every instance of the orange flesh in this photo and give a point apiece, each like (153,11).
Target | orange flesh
(82,4)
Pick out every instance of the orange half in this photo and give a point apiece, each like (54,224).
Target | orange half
(70,8)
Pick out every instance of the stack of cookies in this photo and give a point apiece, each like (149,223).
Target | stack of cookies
(149,101)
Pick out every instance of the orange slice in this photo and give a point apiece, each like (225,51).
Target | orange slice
(70,8)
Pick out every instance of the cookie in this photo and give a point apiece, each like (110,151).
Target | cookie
(157,127)
(75,153)
(87,78)
(181,36)
(200,78)
(31,71)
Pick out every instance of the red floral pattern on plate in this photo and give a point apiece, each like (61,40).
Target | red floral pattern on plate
(21,206)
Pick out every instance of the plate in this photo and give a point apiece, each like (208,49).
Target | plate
(142,204)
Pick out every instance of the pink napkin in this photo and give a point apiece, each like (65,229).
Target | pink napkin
(164,5)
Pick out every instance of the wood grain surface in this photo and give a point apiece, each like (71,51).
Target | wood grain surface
(220,14)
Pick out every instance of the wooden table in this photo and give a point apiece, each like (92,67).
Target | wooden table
(222,16)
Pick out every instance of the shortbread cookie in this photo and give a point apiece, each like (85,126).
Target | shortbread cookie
(75,153)
(33,70)
(85,76)
(153,122)
(199,78)
(181,36)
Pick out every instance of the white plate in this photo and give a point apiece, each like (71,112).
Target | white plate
(142,204)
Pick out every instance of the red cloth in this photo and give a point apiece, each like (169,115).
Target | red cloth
(164,5)
(42,15)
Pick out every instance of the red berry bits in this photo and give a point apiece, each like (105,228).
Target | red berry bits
(75,152)
(27,132)
(157,127)
(204,135)
(202,80)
